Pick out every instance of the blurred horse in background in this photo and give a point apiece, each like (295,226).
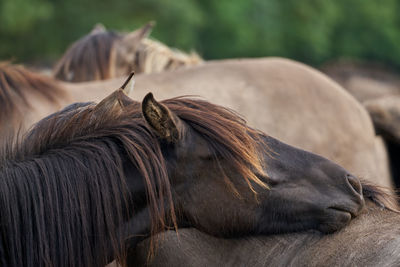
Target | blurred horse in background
(103,54)
(289,100)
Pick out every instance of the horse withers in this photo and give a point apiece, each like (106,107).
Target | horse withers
(90,179)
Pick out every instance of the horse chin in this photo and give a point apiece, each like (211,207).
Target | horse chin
(336,219)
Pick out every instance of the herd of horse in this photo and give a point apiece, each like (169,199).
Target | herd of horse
(94,171)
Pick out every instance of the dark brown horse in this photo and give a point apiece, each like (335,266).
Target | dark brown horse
(106,54)
(87,178)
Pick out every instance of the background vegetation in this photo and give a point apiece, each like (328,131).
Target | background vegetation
(312,31)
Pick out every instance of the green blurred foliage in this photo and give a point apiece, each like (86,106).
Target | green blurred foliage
(312,31)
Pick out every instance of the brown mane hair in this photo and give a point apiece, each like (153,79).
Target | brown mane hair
(88,58)
(15,81)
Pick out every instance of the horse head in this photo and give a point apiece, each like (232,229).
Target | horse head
(124,55)
(228,179)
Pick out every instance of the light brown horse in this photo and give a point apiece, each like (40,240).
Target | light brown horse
(106,54)
(289,100)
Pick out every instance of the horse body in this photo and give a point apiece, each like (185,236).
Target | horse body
(372,239)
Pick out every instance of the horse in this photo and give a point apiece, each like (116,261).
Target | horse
(89,182)
(106,54)
(287,99)
(371,239)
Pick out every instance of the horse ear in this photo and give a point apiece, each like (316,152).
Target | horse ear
(161,119)
(98,28)
(119,99)
(139,34)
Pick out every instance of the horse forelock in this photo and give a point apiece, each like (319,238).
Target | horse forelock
(16,81)
(87,59)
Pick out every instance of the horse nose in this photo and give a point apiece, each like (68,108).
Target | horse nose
(355,184)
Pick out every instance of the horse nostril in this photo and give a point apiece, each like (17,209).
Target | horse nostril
(354,183)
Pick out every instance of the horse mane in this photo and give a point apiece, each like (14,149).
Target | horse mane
(15,81)
(65,178)
(154,56)
(88,58)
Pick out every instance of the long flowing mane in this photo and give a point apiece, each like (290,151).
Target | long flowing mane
(16,81)
(61,186)
(88,59)
(153,56)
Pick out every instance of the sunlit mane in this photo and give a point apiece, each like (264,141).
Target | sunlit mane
(16,82)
